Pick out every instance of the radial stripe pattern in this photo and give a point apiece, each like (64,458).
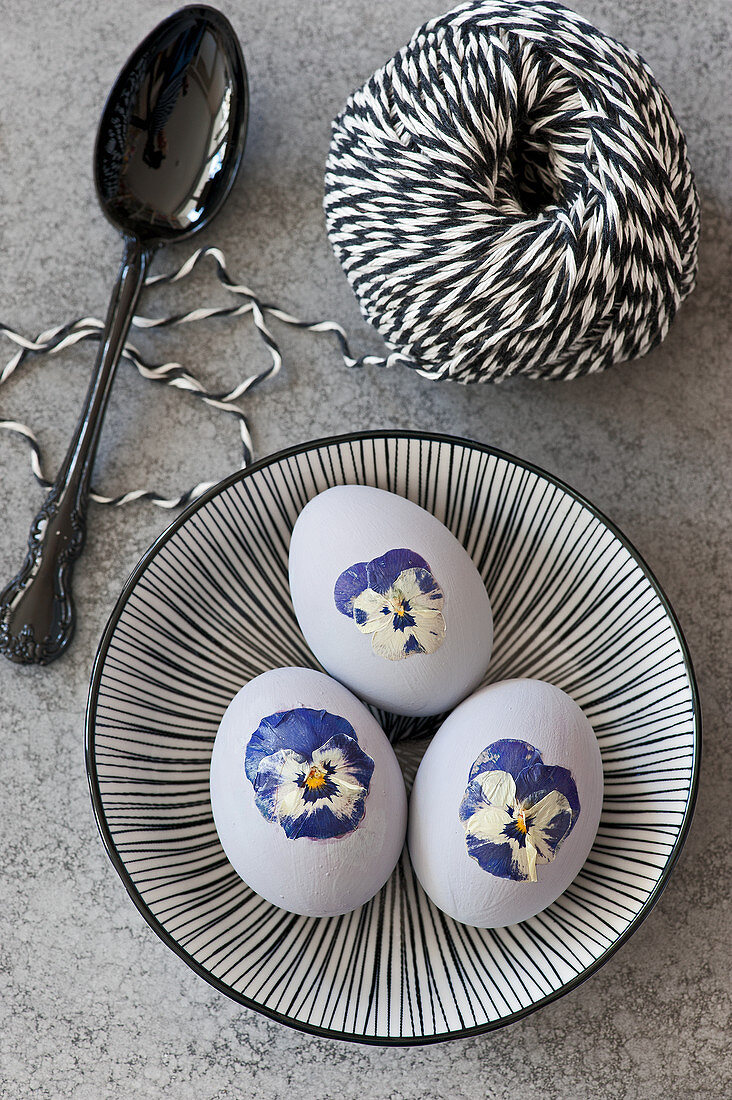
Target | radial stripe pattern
(209,607)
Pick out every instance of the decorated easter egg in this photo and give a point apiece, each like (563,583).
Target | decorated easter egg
(506,803)
(307,795)
(388,600)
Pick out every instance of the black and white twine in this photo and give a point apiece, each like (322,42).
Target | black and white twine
(510,194)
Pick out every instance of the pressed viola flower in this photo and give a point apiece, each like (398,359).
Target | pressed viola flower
(516,810)
(396,600)
(309,773)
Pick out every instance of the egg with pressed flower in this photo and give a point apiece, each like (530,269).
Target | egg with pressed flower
(306,792)
(388,600)
(506,803)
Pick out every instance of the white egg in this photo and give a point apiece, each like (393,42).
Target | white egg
(388,600)
(307,794)
(506,803)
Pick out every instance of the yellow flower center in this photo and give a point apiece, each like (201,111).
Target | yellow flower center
(315,778)
(398,605)
(521,821)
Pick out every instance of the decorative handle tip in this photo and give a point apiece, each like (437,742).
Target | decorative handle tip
(36,609)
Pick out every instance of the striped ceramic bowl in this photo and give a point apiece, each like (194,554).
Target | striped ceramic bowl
(208,608)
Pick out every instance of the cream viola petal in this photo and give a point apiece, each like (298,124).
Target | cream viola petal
(371,611)
(525,858)
(347,782)
(420,588)
(389,643)
(542,813)
(548,822)
(288,796)
(488,823)
(499,788)
(428,616)
(344,799)
(428,629)
(276,781)
(292,765)
(290,801)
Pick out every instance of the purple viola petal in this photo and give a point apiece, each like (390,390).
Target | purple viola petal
(472,801)
(507,755)
(382,572)
(539,779)
(322,823)
(497,859)
(267,782)
(300,729)
(351,583)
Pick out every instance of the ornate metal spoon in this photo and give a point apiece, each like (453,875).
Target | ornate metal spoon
(170,140)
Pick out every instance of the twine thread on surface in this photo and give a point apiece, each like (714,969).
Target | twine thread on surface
(62,337)
(510,194)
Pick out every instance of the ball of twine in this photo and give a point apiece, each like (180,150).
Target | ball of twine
(511,194)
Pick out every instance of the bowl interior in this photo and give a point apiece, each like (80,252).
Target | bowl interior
(208,608)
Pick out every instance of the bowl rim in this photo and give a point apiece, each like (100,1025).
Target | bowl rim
(96,797)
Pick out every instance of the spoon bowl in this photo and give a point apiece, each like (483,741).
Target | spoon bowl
(172,131)
(169,144)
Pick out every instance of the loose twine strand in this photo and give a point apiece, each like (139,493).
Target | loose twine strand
(60,338)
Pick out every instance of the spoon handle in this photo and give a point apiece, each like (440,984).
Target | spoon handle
(36,609)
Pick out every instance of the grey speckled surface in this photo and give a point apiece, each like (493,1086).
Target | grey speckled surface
(93,1005)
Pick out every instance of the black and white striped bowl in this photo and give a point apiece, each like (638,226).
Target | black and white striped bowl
(208,607)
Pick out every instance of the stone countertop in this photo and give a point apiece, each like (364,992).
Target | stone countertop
(94,1006)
